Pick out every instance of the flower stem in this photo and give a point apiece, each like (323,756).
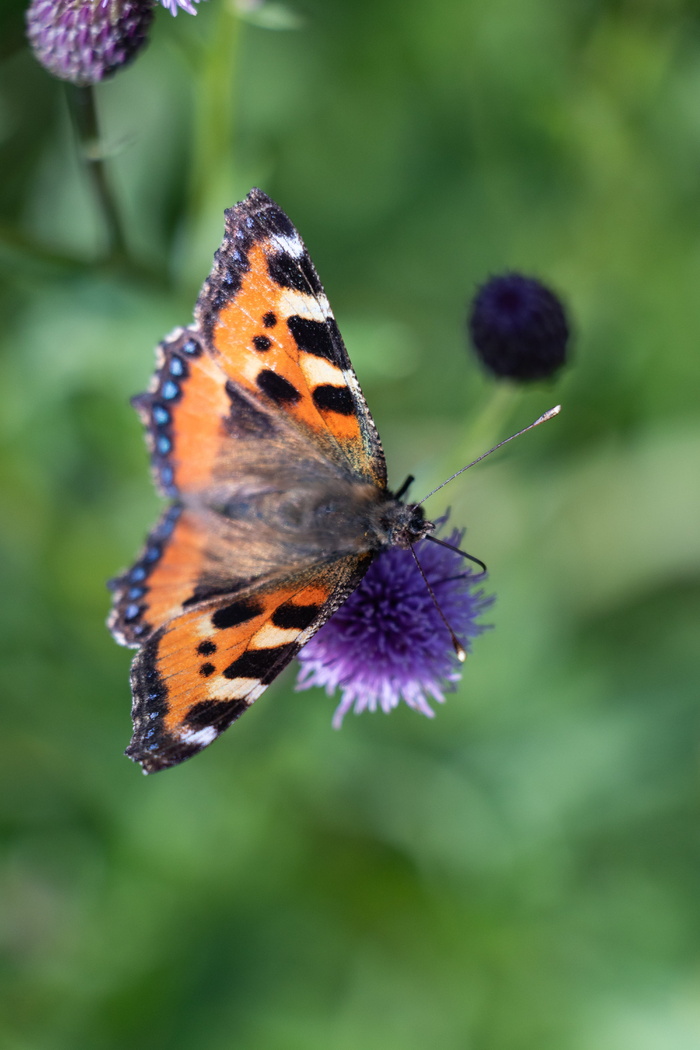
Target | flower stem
(212,148)
(17,250)
(83,110)
(490,425)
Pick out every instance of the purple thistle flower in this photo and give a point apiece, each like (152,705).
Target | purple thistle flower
(84,41)
(387,642)
(518,328)
(174,5)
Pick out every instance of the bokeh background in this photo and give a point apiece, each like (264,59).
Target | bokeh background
(523,871)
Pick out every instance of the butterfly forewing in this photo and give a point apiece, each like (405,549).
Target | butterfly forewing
(265,314)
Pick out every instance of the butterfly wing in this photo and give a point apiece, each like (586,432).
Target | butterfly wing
(266,318)
(199,672)
(259,432)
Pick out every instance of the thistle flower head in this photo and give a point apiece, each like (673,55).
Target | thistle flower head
(85,41)
(518,328)
(388,643)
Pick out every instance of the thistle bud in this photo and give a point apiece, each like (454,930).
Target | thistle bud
(518,328)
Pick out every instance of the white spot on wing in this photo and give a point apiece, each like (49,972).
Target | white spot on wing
(202,737)
(315,307)
(249,366)
(317,370)
(269,636)
(221,688)
(291,245)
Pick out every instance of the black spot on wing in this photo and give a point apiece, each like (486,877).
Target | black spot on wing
(269,319)
(290,615)
(277,387)
(206,670)
(206,591)
(206,648)
(218,713)
(256,663)
(320,338)
(262,343)
(236,613)
(334,399)
(276,222)
(298,274)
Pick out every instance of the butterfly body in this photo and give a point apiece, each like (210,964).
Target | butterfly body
(261,438)
(309,513)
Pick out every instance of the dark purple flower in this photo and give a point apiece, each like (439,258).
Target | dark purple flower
(387,642)
(84,41)
(518,328)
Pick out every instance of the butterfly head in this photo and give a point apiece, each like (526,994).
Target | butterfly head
(403,524)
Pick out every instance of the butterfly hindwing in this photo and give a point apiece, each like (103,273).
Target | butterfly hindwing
(154,589)
(199,672)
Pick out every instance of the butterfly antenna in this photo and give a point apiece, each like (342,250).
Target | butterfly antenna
(456,644)
(457,550)
(542,419)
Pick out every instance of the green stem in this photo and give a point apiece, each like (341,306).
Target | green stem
(212,148)
(490,425)
(18,251)
(16,245)
(84,113)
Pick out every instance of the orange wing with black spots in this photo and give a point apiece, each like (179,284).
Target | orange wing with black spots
(267,320)
(198,673)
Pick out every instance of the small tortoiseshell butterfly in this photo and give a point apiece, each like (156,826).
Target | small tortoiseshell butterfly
(261,437)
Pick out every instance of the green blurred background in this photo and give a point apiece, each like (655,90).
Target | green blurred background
(522,872)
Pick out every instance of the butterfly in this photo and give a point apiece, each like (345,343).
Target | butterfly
(261,439)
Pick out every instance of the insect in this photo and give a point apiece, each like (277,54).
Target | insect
(261,437)
(263,442)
